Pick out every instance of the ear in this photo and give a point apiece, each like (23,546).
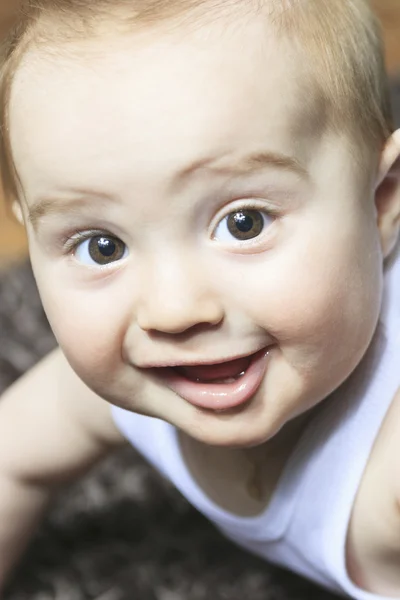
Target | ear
(17,211)
(387,194)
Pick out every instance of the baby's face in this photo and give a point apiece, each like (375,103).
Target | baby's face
(186,208)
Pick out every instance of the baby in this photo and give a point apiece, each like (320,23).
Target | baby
(211,192)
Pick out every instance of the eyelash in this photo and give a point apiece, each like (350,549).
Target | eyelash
(247,205)
(71,242)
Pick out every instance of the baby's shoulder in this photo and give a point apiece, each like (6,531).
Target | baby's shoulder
(373,543)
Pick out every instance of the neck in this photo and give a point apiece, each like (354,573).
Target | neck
(267,461)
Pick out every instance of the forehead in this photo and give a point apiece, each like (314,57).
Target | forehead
(147,105)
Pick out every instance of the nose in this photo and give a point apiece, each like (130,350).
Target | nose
(177,295)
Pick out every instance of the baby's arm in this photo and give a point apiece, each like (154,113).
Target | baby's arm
(52,429)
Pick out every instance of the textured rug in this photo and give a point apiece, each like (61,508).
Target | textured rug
(123,533)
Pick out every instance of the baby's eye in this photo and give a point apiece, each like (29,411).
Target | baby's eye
(100,250)
(243,225)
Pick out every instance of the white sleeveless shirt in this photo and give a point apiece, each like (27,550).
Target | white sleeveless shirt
(305,525)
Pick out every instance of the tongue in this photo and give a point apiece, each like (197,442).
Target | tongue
(211,372)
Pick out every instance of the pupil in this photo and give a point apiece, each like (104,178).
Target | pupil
(243,222)
(106,247)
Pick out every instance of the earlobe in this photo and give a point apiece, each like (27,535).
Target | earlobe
(387,194)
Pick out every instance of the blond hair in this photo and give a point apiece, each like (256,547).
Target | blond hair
(340,40)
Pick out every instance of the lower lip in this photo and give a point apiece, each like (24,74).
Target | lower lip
(220,396)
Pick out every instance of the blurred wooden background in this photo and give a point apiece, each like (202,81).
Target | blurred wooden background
(12,238)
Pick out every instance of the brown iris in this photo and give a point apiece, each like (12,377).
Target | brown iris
(245,224)
(105,250)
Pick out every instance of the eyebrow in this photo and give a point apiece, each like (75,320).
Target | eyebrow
(57,206)
(251,163)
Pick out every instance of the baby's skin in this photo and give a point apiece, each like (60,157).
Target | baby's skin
(187,207)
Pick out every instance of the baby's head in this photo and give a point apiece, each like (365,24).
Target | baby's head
(201,182)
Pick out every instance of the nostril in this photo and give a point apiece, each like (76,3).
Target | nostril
(184,315)
(180,335)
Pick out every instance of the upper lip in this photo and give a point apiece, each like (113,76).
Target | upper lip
(199,362)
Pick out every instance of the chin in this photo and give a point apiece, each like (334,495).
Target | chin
(229,429)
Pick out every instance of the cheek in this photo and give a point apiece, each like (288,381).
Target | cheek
(316,295)
(88,325)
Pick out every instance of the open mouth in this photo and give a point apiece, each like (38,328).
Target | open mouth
(218,387)
(227,372)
